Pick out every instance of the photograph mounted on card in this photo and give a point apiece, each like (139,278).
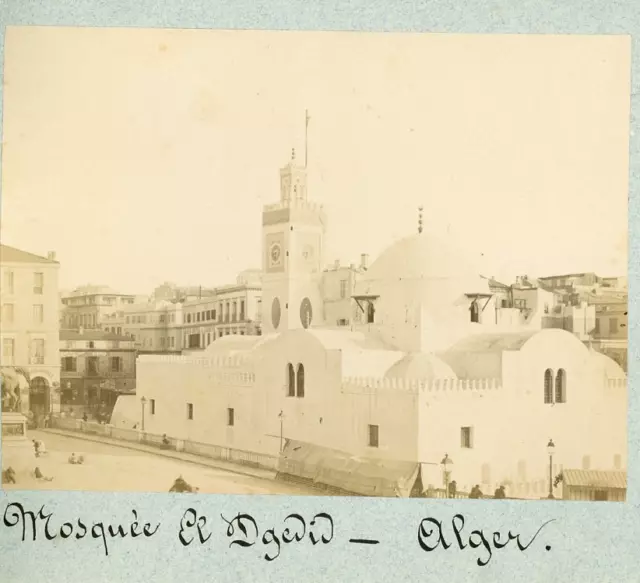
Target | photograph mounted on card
(388,265)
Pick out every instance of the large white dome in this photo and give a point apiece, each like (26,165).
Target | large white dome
(421,256)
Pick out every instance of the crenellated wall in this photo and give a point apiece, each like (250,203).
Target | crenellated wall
(365,385)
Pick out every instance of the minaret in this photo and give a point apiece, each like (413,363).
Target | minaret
(293,241)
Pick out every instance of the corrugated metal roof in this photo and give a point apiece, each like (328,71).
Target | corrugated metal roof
(595,479)
(13,255)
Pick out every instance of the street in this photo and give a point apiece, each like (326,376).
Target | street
(118,469)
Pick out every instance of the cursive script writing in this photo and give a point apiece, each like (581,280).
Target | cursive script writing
(244,532)
(431,536)
(40,523)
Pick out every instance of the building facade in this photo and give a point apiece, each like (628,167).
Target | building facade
(90,307)
(95,368)
(29,324)
(432,363)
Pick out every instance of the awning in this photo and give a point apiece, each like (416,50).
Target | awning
(594,479)
(333,468)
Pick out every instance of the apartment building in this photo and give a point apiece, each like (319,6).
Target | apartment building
(29,324)
(96,367)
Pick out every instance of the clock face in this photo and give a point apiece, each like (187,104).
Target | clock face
(275,313)
(306,313)
(275,254)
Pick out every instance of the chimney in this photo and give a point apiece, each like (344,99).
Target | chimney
(364,261)
(336,264)
(51,256)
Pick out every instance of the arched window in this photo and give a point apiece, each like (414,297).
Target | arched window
(548,386)
(561,386)
(291,386)
(300,381)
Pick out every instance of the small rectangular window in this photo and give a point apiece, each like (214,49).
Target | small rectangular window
(38,283)
(613,326)
(230,417)
(373,436)
(190,411)
(466,437)
(153,406)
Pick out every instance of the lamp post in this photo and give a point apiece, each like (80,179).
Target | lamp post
(281,415)
(550,449)
(143,401)
(446,461)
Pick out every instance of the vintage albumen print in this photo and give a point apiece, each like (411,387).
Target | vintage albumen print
(315,263)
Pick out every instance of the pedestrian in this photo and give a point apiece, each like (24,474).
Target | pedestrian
(453,487)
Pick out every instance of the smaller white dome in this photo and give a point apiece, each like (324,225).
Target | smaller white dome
(420,366)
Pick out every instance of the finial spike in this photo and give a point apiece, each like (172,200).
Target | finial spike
(293,153)
(420,208)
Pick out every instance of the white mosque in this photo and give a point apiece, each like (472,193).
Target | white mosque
(433,364)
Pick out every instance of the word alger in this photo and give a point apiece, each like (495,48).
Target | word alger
(431,536)
(40,523)
(244,532)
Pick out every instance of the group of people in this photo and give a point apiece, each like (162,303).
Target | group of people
(476,492)
(76,460)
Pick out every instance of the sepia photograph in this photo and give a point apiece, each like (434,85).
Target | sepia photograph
(315,263)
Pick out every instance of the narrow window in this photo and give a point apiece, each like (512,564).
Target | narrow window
(371,313)
(300,381)
(474,311)
(230,417)
(190,411)
(291,386)
(466,437)
(153,406)
(613,326)
(373,436)
(548,386)
(38,283)
(561,382)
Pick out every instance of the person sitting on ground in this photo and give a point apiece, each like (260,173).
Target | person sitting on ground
(499,493)
(165,441)
(73,459)
(40,476)
(39,447)
(180,485)
(475,492)
(9,476)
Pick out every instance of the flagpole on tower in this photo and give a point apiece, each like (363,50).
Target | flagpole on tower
(306,136)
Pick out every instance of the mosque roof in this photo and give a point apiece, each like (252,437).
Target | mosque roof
(611,368)
(493,342)
(421,256)
(420,365)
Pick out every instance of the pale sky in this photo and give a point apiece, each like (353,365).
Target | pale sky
(142,156)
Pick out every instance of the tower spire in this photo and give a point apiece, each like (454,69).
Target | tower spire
(420,208)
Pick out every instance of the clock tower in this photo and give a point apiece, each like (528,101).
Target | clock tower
(292,257)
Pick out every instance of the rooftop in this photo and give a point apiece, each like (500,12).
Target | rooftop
(89,335)
(13,255)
